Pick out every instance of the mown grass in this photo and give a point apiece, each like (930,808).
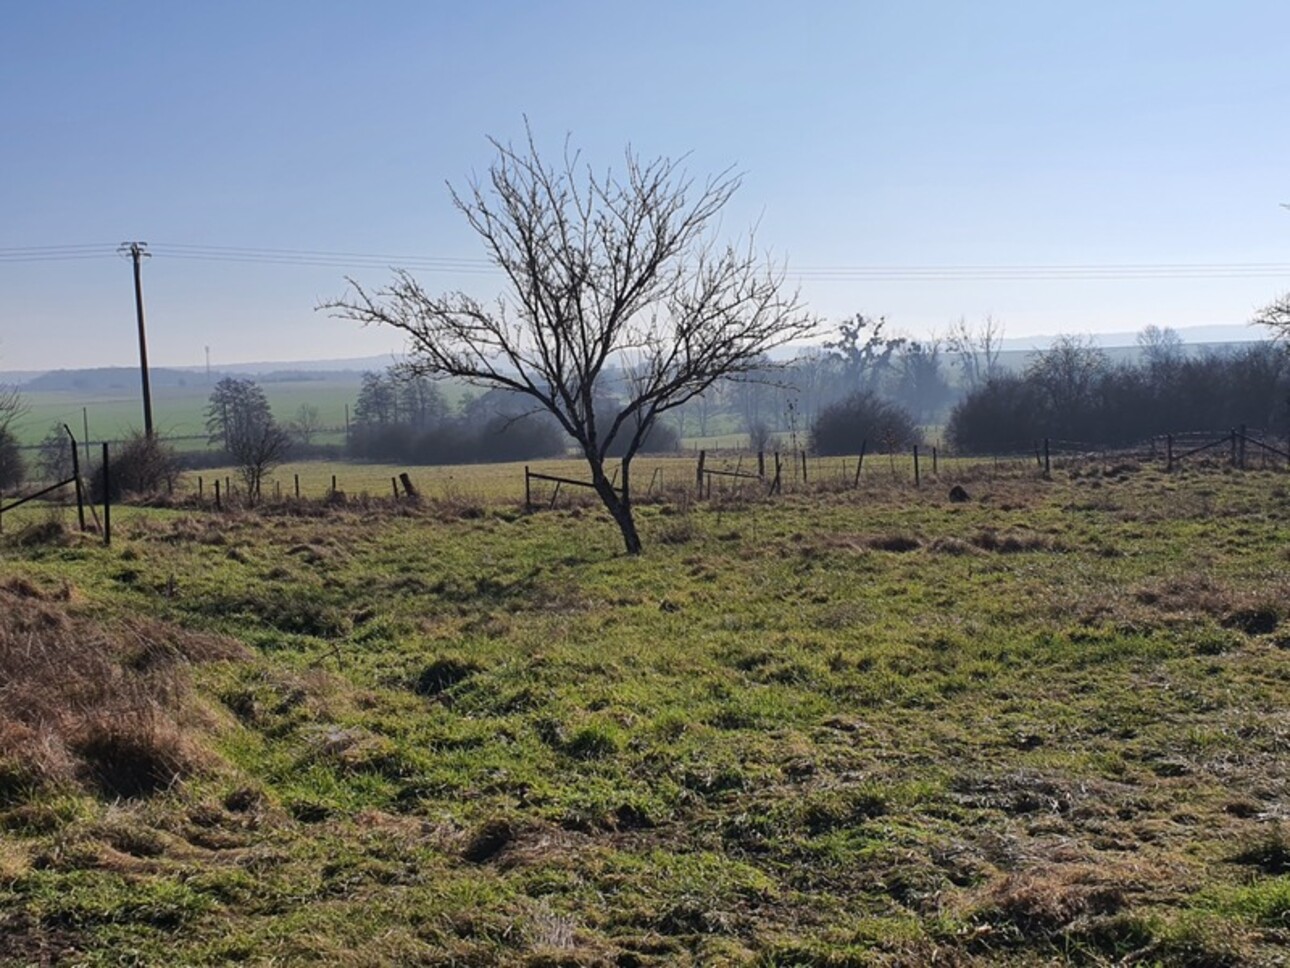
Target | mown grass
(839,727)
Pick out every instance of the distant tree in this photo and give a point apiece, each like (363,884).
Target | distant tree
(12,469)
(842,427)
(420,402)
(863,352)
(920,385)
(812,382)
(1161,346)
(618,269)
(378,401)
(56,454)
(237,408)
(760,437)
(977,349)
(306,424)
(1068,373)
(11,406)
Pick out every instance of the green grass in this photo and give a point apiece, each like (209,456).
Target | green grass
(839,727)
(177,411)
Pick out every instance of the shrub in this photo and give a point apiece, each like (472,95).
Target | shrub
(141,465)
(662,438)
(1002,416)
(842,427)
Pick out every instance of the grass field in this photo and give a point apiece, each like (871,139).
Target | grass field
(177,411)
(838,727)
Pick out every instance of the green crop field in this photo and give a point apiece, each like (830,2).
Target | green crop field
(833,727)
(177,411)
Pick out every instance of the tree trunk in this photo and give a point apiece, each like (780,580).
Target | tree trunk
(618,505)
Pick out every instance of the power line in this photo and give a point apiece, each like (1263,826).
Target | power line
(317,258)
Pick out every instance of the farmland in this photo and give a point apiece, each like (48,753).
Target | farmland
(837,727)
(178,411)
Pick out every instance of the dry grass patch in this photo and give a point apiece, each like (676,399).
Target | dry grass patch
(85,704)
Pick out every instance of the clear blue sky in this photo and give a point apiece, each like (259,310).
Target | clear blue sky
(871,134)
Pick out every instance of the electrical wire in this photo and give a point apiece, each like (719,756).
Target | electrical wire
(317,258)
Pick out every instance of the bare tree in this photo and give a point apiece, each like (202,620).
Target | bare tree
(55,459)
(11,406)
(1276,316)
(256,449)
(306,424)
(12,467)
(977,349)
(864,356)
(603,270)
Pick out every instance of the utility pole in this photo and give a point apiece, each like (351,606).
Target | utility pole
(137,252)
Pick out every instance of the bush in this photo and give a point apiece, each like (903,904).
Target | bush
(141,465)
(12,469)
(1074,395)
(499,438)
(1002,416)
(662,438)
(842,427)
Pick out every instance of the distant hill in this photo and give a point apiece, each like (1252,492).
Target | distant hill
(110,378)
(106,378)
(1016,351)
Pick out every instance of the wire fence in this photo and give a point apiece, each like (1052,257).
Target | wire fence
(705,475)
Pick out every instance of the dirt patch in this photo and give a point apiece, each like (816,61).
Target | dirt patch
(488,840)
(24,939)
(899,542)
(441,675)
(1014,542)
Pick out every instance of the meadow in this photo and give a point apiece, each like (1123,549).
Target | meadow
(841,726)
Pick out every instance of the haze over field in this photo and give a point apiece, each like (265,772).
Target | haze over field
(1092,169)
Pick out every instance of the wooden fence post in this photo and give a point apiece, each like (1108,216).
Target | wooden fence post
(201,487)
(761,463)
(217,501)
(394,483)
(803,467)
(76,473)
(333,485)
(1048,467)
(916,475)
(1232,459)
(860,463)
(1241,447)
(698,474)
(935,467)
(297,487)
(107,498)
(528,490)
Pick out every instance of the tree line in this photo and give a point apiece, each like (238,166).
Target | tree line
(1073,392)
